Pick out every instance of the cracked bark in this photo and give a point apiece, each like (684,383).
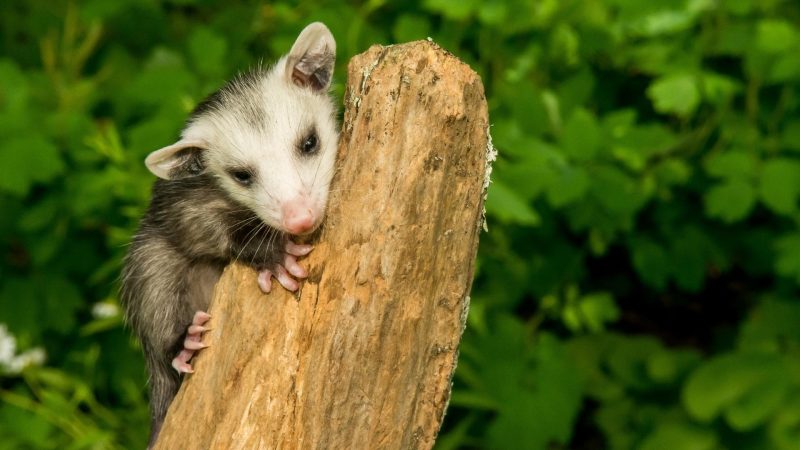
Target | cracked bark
(363,357)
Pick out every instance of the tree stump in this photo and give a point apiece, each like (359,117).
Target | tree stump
(364,355)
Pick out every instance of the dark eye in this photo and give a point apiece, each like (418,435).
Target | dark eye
(309,145)
(242,177)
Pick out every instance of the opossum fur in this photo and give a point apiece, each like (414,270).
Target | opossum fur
(250,157)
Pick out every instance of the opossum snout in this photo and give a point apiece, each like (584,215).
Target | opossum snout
(298,216)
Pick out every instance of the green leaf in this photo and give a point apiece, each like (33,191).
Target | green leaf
(208,50)
(780,185)
(616,191)
(619,123)
(453,9)
(760,402)
(692,252)
(771,325)
(784,429)
(567,185)
(775,36)
(727,384)
(14,89)
(785,69)
(671,365)
(565,45)
(651,263)
(671,172)
(718,89)
(663,22)
(642,142)
(545,413)
(504,204)
(787,262)
(20,308)
(591,312)
(738,7)
(683,436)
(627,360)
(27,160)
(733,164)
(731,201)
(23,427)
(39,215)
(411,27)
(580,138)
(62,300)
(163,82)
(675,94)
(790,137)
(493,12)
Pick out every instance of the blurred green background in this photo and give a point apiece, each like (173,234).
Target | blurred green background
(638,284)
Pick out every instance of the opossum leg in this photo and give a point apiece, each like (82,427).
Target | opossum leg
(287,271)
(191,343)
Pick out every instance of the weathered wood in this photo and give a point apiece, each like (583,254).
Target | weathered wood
(363,357)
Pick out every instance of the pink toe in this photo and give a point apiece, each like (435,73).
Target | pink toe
(298,249)
(182,367)
(265,281)
(285,280)
(192,344)
(200,317)
(197,330)
(290,263)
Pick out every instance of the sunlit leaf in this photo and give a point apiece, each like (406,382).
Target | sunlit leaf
(675,94)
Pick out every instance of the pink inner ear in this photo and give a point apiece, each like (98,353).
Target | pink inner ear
(302,79)
(163,160)
(299,78)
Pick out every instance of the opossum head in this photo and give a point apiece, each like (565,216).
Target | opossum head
(268,137)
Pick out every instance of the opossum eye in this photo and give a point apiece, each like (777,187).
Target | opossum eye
(242,177)
(309,144)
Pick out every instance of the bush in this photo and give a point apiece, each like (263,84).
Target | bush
(637,287)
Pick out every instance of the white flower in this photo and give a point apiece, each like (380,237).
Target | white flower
(104,310)
(8,346)
(34,356)
(12,363)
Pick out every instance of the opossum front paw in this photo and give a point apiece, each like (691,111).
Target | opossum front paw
(191,343)
(288,271)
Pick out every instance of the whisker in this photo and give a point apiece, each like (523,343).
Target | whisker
(255,253)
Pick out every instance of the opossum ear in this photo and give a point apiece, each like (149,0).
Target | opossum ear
(310,62)
(180,160)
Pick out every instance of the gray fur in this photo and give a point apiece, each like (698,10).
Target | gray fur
(200,219)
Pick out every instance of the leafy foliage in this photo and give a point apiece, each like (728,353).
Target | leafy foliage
(637,288)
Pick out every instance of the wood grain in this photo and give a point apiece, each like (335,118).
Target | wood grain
(363,357)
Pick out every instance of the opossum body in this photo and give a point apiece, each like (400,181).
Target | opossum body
(253,167)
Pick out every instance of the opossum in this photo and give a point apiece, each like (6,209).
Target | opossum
(252,168)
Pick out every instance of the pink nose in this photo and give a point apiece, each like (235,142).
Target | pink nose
(298,217)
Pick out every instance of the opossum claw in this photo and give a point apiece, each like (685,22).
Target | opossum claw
(283,277)
(298,249)
(195,329)
(192,343)
(265,280)
(180,362)
(286,272)
(291,266)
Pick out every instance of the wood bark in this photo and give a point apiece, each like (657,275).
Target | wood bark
(363,356)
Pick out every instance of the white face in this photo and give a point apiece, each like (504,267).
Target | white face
(269,137)
(279,161)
